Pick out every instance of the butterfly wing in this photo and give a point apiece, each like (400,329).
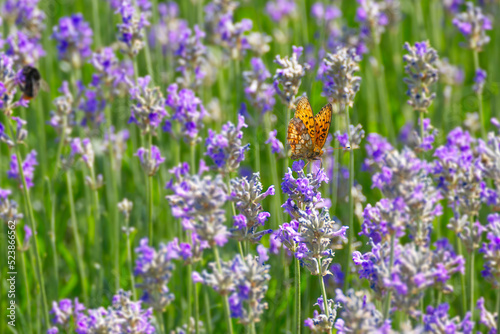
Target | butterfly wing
(299,139)
(304,112)
(322,126)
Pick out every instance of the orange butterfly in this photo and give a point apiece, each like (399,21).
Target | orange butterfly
(307,133)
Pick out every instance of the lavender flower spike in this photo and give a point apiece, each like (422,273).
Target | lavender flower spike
(258,92)
(321,323)
(337,70)
(188,110)
(422,73)
(130,31)
(150,159)
(248,194)
(28,167)
(149,108)
(357,314)
(8,207)
(319,237)
(199,202)
(251,286)
(74,39)
(473,24)
(155,268)
(225,149)
(289,76)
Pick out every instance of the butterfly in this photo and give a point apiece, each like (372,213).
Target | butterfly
(307,133)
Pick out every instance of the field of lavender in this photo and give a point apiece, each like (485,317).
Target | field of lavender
(147,184)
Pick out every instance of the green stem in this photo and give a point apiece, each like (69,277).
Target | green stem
(472,278)
(351,202)
(323,290)
(208,320)
(226,301)
(421,134)
(97,23)
(297,298)
(193,158)
(149,189)
(27,198)
(196,309)
(26,282)
(161,321)
(382,94)
(112,202)
(189,296)
(387,306)
(462,281)
(419,16)
(74,226)
(277,211)
(129,257)
(480,97)
(52,235)
(96,213)
(498,308)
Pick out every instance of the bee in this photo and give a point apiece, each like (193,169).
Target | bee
(32,82)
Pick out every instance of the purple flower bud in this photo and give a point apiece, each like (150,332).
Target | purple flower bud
(150,159)
(74,39)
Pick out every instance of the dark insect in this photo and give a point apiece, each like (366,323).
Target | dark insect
(32,82)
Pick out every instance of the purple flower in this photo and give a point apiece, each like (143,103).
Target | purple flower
(479,80)
(191,57)
(486,317)
(491,249)
(167,34)
(225,149)
(155,268)
(289,76)
(421,73)
(245,280)
(26,15)
(28,169)
(436,319)
(322,13)
(130,30)
(148,109)
(150,159)
(280,9)
(276,145)
(23,49)
(199,202)
(373,20)
(376,149)
(188,110)
(65,311)
(356,312)
(74,38)
(337,72)
(232,35)
(473,24)
(303,190)
(9,80)
(318,237)
(248,195)
(8,207)
(28,233)
(386,218)
(258,92)
(321,323)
